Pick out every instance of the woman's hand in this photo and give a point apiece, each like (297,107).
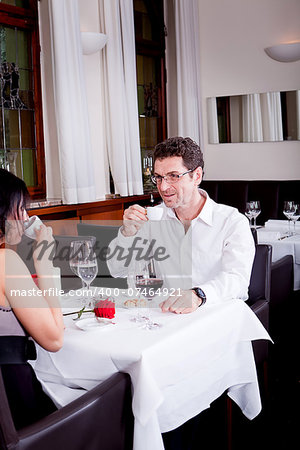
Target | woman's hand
(44,246)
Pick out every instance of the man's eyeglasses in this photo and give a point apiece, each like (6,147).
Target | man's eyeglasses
(171,178)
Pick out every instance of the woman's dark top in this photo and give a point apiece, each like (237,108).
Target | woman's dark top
(27,400)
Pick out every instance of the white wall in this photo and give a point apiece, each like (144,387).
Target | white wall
(233,35)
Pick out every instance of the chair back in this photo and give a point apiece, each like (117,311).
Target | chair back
(259,296)
(104,234)
(254,234)
(8,433)
(100,418)
(260,281)
(61,258)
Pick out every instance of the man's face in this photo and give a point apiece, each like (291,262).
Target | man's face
(181,193)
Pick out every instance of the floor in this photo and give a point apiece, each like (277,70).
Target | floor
(277,427)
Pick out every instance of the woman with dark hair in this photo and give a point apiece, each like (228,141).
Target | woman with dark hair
(24,312)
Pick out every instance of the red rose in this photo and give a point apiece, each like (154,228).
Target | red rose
(35,279)
(105,308)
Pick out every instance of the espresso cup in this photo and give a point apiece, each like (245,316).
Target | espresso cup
(32,224)
(154,212)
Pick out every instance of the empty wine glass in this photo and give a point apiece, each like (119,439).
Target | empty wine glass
(249,212)
(295,216)
(255,209)
(148,281)
(83,263)
(288,211)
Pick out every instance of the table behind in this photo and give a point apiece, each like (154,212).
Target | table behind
(282,246)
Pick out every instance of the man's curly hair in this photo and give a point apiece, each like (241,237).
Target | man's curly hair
(188,149)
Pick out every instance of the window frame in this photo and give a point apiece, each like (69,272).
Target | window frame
(27,19)
(153,48)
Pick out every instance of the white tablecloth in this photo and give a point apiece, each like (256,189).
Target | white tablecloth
(176,370)
(282,247)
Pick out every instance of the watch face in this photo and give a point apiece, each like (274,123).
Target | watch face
(200,293)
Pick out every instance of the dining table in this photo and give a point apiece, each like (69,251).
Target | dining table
(177,369)
(276,233)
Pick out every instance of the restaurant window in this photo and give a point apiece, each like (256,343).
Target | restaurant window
(21,129)
(150,62)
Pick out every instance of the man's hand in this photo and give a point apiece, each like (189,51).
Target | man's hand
(133,219)
(186,303)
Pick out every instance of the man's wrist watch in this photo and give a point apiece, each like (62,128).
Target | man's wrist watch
(198,291)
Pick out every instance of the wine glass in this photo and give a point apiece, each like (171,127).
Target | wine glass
(256,210)
(83,263)
(288,211)
(74,247)
(249,212)
(148,281)
(295,217)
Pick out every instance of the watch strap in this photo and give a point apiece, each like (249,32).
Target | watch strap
(200,293)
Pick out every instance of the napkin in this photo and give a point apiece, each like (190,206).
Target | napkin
(267,236)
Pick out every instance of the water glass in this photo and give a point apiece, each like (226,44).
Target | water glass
(295,217)
(288,211)
(83,263)
(149,281)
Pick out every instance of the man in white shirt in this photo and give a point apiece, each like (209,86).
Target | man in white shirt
(209,246)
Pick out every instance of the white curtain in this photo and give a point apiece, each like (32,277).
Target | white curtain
(271,116)
(252,123)
(75,157)
(122,127)
(212,120)
(183,74)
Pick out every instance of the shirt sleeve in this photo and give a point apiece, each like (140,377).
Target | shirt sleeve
(232,281)
(122,251)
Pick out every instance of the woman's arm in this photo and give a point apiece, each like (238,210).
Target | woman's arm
(38,310)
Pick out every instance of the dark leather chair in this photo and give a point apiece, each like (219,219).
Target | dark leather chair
(281,291)
(259,295)
(99,419)
(104,234)
(259,299)
(282,283)
(61,258)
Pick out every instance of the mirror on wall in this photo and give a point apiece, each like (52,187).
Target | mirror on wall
(259,117)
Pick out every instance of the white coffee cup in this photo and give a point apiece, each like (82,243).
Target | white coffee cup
(154,212)
(32,224)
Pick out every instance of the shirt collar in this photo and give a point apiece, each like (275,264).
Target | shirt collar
(206,213)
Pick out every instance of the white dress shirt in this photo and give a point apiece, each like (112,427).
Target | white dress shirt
(216,253)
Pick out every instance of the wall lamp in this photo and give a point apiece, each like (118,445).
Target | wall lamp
(92,42)
(288,52)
